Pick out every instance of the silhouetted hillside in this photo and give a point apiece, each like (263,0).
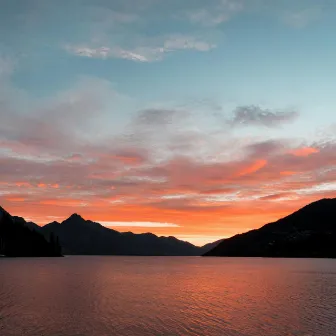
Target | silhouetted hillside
(30,225)
(20,239)
(208,247)
(309,232)
(84,237)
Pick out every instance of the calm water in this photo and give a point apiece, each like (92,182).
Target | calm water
(97,296)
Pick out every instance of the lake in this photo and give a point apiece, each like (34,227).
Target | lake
(98,296)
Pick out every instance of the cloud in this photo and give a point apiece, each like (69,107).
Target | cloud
(163,167)
(106,29)
(180,190)
(257,116)
(140,224)
(159,153)
(84,51)
(282,196)
(138,55)
(121,31)
(215,15)
(302,18)
(158,117)
(305,151)
(59,124)
(147,51)
(185,42)
(267,148)
(252,168)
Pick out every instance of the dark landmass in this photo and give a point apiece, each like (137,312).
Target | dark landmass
(84,237)
(307,233)
(20,239)
(208,247)
(78,236)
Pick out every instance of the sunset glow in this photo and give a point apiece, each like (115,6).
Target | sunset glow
(165,124)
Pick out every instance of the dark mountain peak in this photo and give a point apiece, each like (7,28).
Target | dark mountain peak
(326,200)
(21,239)
(321,209)
(29,225)
(19,219)
(54,223)
(309,232)
(2,212)
(74,219)
(321,202)
(76,216)
(86,237)
(5,216)
(149,234)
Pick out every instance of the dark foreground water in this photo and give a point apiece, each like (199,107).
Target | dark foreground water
(131,296)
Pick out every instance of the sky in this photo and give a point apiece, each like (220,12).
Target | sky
(191,118)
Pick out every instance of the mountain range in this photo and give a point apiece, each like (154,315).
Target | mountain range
(17,239)
(307,233)
(78,236)
(84,237)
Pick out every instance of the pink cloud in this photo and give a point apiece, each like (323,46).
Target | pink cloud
(156,169)
(305,151)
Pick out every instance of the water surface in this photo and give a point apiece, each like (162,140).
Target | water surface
(140,296)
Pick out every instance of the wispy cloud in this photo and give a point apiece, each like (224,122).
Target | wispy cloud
(213,15)
(185,42)
(140,224)
(145,53)
(162,167)
(305,151)
(56,125)
(258,116)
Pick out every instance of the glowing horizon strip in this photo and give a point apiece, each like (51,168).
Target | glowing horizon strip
(140,224)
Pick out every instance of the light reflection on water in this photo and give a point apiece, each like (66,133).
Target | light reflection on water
(98,296)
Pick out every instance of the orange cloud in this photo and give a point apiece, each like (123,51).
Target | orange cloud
(252,168)
(194,217)
(129,159)
(305,151)
(63,202)
(158,170)
(23,184)
(205,197)
(15,199)
(283,195)
(287,173)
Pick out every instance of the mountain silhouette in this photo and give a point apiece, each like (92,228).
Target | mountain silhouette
(30,225)
(84,237)
(208,247)
(20,239)
(307,233)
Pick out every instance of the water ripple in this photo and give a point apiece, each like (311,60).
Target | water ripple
(104,296)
